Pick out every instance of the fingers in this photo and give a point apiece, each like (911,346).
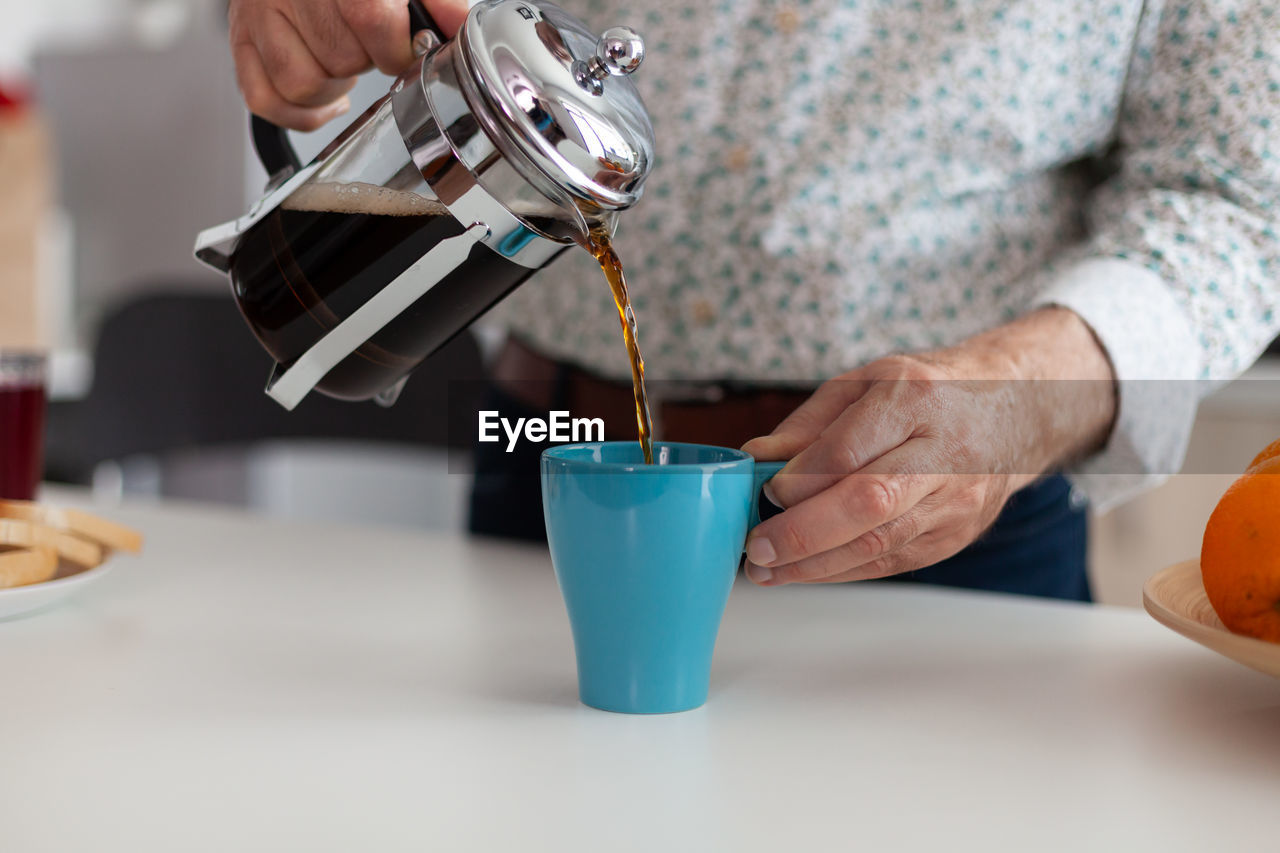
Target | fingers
(946,540)
(929,532)
(905,559)
(297,59)
(382,28)
(939,526)
(334,46)
(291,64)
(853,506)
(263,99)
(866,556)
(448,14)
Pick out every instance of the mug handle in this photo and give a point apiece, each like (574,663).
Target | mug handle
(764,473)
(271,142)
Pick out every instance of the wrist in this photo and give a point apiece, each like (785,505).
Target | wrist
(1063,381)
(1047,344)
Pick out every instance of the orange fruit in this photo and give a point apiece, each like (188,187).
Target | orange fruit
(1240,556)
(1271,451)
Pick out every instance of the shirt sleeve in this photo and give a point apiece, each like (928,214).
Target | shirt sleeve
(1180,277)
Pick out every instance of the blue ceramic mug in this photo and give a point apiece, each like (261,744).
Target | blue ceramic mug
(645,556)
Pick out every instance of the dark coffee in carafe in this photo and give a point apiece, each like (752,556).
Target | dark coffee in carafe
(310,263)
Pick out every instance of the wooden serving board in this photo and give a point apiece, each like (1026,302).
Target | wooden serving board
(1175,596)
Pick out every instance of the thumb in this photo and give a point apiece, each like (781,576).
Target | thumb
(802,427)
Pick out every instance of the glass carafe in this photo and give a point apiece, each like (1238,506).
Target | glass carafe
(487,159)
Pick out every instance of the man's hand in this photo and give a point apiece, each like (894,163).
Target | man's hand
(297,59)
(902,463)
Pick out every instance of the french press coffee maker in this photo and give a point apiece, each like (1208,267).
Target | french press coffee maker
(491,155)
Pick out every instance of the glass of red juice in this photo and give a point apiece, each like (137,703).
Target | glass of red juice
(22,406)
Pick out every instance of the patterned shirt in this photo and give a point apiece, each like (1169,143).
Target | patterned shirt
(837,180)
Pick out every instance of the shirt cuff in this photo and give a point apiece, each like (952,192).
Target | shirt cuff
(1156,359)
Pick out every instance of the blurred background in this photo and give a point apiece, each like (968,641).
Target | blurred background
(156,385)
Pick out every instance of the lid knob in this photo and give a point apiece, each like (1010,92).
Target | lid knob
(619,50)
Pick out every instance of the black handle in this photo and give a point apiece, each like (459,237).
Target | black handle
(271,141)
(420,19)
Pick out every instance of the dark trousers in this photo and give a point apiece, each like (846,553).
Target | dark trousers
(1037,546)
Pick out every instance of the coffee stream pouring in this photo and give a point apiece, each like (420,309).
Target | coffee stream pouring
(491,155)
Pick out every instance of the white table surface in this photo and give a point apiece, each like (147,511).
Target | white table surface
(256,685)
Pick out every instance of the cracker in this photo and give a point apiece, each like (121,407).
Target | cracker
(108,534)
(23,566)
(26,534)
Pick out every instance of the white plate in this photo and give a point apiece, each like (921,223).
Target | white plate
(18,600)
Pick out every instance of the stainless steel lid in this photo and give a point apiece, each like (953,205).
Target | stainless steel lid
(562,97)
